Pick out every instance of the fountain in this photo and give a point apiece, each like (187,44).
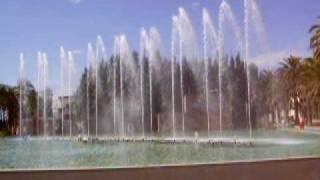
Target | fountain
(136,78)
(225,14)
(123,61)
(91,68)
(253,15)
(184,33)
(150,47)
(39,76)
(100,55)
(246,54)
(143,41)
(42,86)
(153,50)
(126,63)
(21,91)
(71,71)
(115,54)
(173,62)
(145,90)
(210,40)
(100,49)
(67,72)
(45,77)
(62,71)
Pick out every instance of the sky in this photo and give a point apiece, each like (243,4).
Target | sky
(29,26)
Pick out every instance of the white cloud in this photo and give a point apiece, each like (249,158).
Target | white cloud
(272,59)
(75,1)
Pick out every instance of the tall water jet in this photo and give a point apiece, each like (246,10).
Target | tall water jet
(70,75)
(42,79)
(100,49)
(173,61)
(150,47)
(150,90)
(229,16)
(187,41)
(246,56)
(205,55)
(220,58)
(45,77)
(209,41)
(251,14)
(100,55)
(143,37)
(115,55)
(156,43)
(153,47)
(62,74)
(181,41)
(39,68)
(119,51)
(90,67)
(121,59)
(225,14)
(128,75)
(254,14)
(21,91)
(96,93)
(150,58)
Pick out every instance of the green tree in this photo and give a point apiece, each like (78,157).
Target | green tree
(290,72)
(9,101)
(315,40)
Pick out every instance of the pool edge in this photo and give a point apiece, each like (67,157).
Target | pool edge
(306,168)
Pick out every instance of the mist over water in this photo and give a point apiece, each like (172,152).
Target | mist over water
(144,93)
(202,103)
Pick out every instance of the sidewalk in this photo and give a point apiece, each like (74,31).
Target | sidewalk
(313,128)
(307,129)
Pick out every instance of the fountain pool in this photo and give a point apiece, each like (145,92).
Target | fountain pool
(52,153)
(152,107)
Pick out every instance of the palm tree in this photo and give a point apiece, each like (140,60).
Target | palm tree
(312,65)
(301,78)
(290,72)
(315,40)
(310,76)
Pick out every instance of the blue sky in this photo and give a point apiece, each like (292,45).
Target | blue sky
(31,25)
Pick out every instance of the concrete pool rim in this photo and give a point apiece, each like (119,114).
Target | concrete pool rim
(213,164)
(301,168)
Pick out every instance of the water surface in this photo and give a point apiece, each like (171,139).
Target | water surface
(38,153)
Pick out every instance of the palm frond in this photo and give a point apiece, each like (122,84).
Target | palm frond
(314,27)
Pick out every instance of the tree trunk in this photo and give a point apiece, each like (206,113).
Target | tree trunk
(296,111)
